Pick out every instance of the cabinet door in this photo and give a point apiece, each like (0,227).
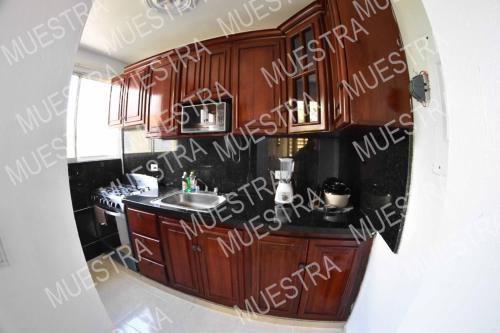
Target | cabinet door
(307,92)
(115,102)
(339,103)
(276,263)
(256,98)
(191,73)
(161,120)
(137,97)
(221,271)
(333,261)
(180,257)
(217,70)
(377,75)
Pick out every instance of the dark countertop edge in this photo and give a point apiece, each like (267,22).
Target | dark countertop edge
(342,231)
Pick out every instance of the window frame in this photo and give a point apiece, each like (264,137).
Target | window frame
(96,158)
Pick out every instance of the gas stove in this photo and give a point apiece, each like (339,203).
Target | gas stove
(110,198)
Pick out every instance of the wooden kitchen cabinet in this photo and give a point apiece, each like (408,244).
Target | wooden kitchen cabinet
(200,266)
(273,259)
(115,102)
(306,66)
(309,276)
(162,120)
(181,257)
(372,88)
(217,70)
(191,68)
(221,270)
(137,97)
(256,100)
(322,299)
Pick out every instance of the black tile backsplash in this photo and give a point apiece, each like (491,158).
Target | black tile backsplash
(316,158)
(84,177)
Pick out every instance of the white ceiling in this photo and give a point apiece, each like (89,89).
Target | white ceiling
(127,31)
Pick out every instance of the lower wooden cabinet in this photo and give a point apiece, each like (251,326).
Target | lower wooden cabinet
(275,259)
(200,266)
(291,276)
(181,258)
(153,270)
(329,264)
(221,270)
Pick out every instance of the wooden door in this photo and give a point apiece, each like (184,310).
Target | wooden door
(307,92)
(377,76)
(180,254)
(255,98)
(115,102)
(162,118)
(137,97)
(333,261)
(276,263)
(221,270)
(216,76)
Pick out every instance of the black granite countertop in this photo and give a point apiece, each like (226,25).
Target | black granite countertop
(261,212)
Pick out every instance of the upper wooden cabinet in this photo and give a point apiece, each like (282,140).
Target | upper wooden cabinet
(162,117)
(137,97)
(306,71)
(217,69)
(372,66)
(115,102)
(257,100)
(191,65)
(334,64)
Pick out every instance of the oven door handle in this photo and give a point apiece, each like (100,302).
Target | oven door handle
(116,214)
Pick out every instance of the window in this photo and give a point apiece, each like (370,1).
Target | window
(88,135)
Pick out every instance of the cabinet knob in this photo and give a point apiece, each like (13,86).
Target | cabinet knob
(302,266)
(198,248)
(193,247)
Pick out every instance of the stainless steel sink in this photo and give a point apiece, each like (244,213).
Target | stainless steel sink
(198,201)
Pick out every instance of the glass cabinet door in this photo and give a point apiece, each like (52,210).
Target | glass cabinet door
(307,77)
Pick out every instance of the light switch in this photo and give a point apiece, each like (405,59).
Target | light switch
(3,256)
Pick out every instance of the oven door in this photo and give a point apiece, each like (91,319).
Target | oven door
(205,118)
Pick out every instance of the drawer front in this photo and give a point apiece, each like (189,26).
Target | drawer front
(153,270)
(142,223)
(147,248)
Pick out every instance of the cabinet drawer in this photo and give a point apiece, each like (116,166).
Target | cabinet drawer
(153,270)
(147,248)
(142,223)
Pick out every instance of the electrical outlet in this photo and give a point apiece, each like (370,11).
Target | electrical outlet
(3,256)
(153,167)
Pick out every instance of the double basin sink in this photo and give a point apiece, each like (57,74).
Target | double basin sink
(196,201)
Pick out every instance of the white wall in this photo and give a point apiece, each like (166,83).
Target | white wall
(98,65)
(446,275)
(37,227)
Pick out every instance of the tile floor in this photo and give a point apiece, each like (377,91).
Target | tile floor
(137,304)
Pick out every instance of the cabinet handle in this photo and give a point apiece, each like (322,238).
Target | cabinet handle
(198,248)
(302,266)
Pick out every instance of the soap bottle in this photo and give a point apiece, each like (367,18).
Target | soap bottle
(185,182)
(192,182)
